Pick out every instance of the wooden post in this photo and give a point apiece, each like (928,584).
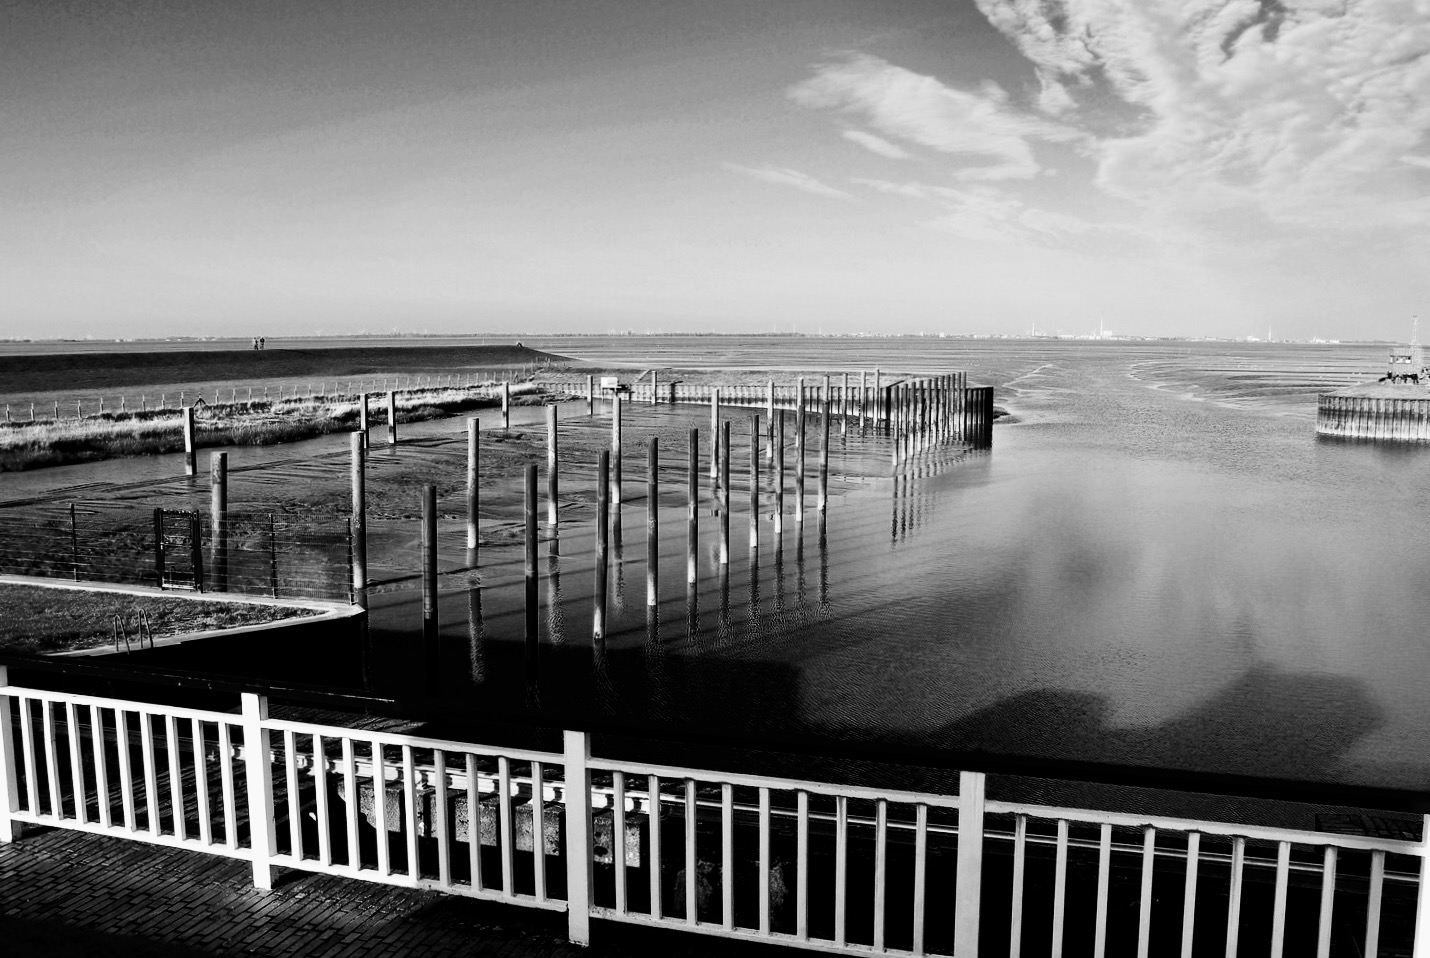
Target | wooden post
(603,516)
(218,518)
(799,454)
(258,773)
(158,547)
(968,879)
(878,395)
(715,433)
(824,462)
(653,389)
(532,635)
(363,426)
(506,404)
(392,417)
(616,458)
(652,525)
(590,395)
(692,536)
(473,461)
(9,765)
(724,493)
(755,481)
(844,406)
(191,461)
(430,612)
(552,464)
(579,859)
(779,453)
(359,478)
(770,412)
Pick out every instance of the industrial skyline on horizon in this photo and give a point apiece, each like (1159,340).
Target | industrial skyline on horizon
(945,167)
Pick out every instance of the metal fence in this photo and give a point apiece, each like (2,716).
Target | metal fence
(822,866)
(256,553)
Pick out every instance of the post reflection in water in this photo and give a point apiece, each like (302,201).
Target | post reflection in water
(823,571)
(723,622)
(754,612)
(618,598)
(555,618)
(655,665)
(692,614)
(779,575)
(800,598)
(476,630)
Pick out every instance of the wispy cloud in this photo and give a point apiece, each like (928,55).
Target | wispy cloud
(982,126)
(877,144)
(784,176)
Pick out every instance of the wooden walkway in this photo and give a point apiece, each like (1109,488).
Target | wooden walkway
(66,894)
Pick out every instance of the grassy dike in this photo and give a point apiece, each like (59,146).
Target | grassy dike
(117,435)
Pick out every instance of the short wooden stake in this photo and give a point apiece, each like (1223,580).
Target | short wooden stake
(191,464)
(652,524)
(218,518)
(359,484)
(473,463)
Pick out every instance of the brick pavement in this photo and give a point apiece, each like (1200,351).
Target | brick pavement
(65,893)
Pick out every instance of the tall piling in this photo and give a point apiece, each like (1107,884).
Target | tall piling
(779,451)
(392,417)
(552,467)
(714,432)
(363,425)
(724,493)
(770,412)
(824,461)
(878,395)
(692,520)
(359,530)
(191,461)
(218,519)
(473,466)
(616,466)
(506,405)
(603,517)
(652,524)
(532,633)
(590,395)
(755,481)
(430,620)
(799,453)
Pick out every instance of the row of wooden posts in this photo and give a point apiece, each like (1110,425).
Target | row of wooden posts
(1374,417)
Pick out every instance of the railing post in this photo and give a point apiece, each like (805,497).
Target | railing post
(971,789)
(258,771)
(9,774)
(1422,898)
(578,837)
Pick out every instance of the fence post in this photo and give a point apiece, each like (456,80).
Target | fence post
(359,532)
(258,771)
(218,518)
(971,789)
(578,836)
(191,464)
(9,774)
(473,462)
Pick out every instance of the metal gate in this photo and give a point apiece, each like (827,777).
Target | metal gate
(178,550)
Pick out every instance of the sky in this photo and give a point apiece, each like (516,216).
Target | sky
(1150,167)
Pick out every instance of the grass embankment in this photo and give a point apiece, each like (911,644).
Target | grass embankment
(42,620)
(262,423)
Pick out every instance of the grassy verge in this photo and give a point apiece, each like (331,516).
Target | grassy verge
(37,619)
(117,435)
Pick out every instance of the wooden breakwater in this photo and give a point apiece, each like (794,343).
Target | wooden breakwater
(1374,417)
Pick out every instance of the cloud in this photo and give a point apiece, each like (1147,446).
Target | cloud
(1299,114)
(909,106)
(876,144)
(787,177)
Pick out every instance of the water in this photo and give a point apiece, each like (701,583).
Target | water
(1157,564)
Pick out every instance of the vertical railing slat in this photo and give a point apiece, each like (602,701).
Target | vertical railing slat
(439,815)
(176,777)
(764,860)
(379,804)
(618,837)
(151,774)
(320,802)
(52,765)
(474,823)
(1328,901)
(1278,911)
(101,770)
(653,810)
(538,830)
(841,867)
(727,855)
(351,801)
(1189,892)
(1144,907)
(1104,869)
(294,796)
(27,747)
(201,782)
(505,825)
(409,809)
(225,772)
(1020,857)
(1060,887)
(881,868)
(921,857)
(81,811)
(1372,910)
(1233,908)
(802,867)
(691,879)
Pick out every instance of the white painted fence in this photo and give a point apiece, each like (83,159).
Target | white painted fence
(812,865)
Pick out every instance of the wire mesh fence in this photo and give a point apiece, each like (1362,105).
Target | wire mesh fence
(249,553)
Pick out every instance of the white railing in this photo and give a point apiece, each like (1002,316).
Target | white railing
(812,865)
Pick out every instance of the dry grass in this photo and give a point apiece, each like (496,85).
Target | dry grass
(260,423)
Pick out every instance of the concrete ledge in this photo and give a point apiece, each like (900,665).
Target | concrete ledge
(326,611)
